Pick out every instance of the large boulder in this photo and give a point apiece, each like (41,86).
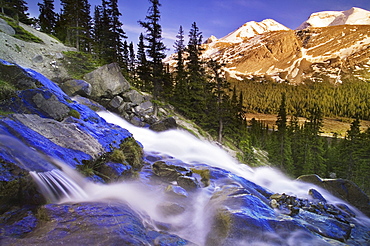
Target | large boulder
(4,27)
(107,81)
(88,224)
(343,189)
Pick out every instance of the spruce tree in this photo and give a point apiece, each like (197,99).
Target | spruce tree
(196,99)
(155,47)
(16,9)
(47,17)
(180,92)
(220,89)
(143,69)
(74,24)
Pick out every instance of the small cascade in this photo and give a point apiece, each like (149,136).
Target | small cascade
(55,185)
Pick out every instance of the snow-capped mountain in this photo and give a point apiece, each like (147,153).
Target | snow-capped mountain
(268,50)
(251,29)
(353,16)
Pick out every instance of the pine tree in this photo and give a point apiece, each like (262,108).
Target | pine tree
(220,88)
(143,69)
(132,61)
(155,47)
(74,24)
(197,96)
(47,17)
(116,31)
(180,92)
(17,9)
(281,152)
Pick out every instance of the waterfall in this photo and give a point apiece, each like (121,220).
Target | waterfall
(181,145)
(55,185)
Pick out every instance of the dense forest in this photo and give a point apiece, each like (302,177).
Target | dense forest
(199,90)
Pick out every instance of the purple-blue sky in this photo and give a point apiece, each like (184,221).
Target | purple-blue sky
(217,17)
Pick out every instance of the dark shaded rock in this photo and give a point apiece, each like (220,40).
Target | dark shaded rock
(92,224)
(76,87)
(107,81)
(188,183)
(169,172)
(316,195)
(17,222)
(163,125)
(116,171)
(17,76)
(343,189)
(176,190)
(116,102)
(133,96)
(327,227)
(170,209)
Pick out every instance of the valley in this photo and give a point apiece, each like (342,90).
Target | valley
(330,125)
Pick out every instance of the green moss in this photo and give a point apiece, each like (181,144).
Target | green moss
(7,90)
(20,32)
(79,63)
(204,174)
(74,113)
(129,152)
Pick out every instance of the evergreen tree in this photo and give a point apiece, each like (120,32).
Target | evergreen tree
(108,33)
(47,17)
(196,80)
(132,61)
(180,92)
(143,69)
(155,47)
(281,153)
(116,30)
(74,24)
(16,9)
(220,88)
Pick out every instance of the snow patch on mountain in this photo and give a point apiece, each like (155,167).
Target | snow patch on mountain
(353,16)
(251,29)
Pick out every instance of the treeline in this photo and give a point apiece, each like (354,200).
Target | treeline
(350,99)
(299,149)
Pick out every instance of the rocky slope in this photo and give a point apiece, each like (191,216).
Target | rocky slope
(328,47)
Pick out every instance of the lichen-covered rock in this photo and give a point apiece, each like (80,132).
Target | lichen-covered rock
(107,81)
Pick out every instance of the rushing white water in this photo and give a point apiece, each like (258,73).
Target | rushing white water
(186,147)
(150,202)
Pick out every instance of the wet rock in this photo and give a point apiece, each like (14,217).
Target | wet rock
(344,189)
(107,81)
(164,125)
(169,172)
(92,224)
(176,190)
(170,209)
(316,195)
(188,183)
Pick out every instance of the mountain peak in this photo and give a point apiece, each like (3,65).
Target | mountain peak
(253,28)
(353,16)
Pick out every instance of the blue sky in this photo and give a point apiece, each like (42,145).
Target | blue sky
(217,17)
